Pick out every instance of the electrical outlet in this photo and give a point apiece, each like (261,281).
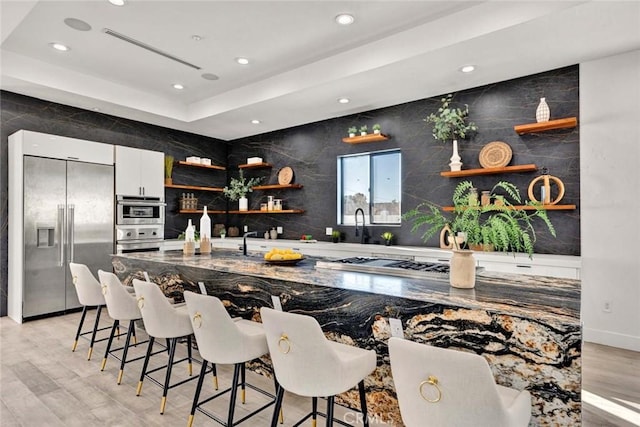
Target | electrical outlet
(246,228)
(328,231)
(279,230)
(606,306)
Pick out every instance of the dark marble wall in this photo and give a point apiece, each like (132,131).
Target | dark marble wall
(22,112)
(311,151)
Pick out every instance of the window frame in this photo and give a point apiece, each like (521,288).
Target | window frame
(370,191)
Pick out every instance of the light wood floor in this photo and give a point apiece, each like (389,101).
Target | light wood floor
(43,383)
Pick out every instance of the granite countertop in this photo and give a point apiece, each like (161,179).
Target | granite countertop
(537,297)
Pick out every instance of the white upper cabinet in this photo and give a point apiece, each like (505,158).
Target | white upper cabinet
(139,172)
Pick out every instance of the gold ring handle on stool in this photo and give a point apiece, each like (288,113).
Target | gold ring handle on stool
(545,183)
(140,302)
(75,280)
(104,289)
(197,320)
(432,381)
(284,338)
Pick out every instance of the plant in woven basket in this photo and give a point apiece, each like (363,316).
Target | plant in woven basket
(499,223)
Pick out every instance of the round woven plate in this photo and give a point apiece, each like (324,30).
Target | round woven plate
(495,154)
(285,176)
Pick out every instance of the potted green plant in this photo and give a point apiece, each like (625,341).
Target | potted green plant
(363,130)
(238,189)
(376,128)
(335,236)
(501,223)
(450,123)
(352,131)
(168,170)
(388,238)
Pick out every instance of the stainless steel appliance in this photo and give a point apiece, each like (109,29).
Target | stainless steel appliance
(390,267)
(139,210)
(138,238)
(139,224)
(68,217)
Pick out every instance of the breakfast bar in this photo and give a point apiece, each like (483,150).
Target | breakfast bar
(526,327)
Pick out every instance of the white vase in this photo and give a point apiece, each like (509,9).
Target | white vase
(243,204)
(455,163)
(542,112)
(462,270)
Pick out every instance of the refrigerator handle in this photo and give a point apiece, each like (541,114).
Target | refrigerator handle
(71,227)
(61,234)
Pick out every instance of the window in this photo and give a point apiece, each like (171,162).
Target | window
(369,181)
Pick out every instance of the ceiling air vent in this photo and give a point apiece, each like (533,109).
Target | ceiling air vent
(147,47)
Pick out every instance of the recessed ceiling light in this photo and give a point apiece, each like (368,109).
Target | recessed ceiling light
(467,68)
(59,46)
(196,37)
(209,76)
(345,19)
(255,122)
(77,24)
(117,2)
(178,86)
(242,61)
(343,100)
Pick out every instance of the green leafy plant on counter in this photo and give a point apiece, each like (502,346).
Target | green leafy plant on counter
(196,236)
(376,127)
(363,129)
(387,236)
(239,187)
(352,130)
(450,123)
(498,224)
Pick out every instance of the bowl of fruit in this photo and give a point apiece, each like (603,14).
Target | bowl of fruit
(279,256)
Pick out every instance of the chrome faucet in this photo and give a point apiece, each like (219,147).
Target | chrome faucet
(364,230)
(244,240)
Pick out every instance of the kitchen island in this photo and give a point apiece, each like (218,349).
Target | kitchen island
(527,327)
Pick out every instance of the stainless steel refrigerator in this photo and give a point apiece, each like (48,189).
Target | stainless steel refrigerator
(68,209)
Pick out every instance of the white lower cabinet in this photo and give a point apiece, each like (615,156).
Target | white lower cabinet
(566,272)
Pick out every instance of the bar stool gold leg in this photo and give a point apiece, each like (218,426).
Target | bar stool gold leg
(281,416)
(162,404)
(89,354)
(190,422)
(139,389)
(190,369)
(120,376)
(104,363)
(215,382)
(75,344)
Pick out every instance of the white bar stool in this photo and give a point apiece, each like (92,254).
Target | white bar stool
(161,320)
(121,306)
(223,340)
(307,364)
(90,295)
(451,387)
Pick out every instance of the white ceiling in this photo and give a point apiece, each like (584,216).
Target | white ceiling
(301,60)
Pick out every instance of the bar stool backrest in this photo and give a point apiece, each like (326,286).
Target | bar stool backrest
(160,318)
(121,304)
(87,287)
(304,362)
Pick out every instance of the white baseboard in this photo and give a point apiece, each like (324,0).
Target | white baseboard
(612,339)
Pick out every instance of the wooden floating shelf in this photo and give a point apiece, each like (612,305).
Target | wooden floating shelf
(198,165)
(569,122)
(276,186)
(199,211)
(284,211)
(528,208)
(193,187)
(490,171)
(255,165)
(371,137)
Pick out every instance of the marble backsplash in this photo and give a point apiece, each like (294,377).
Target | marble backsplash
(311,150)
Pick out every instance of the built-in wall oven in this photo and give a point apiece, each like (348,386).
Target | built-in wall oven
(139,224)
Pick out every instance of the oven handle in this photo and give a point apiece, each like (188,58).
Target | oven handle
(132,203)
